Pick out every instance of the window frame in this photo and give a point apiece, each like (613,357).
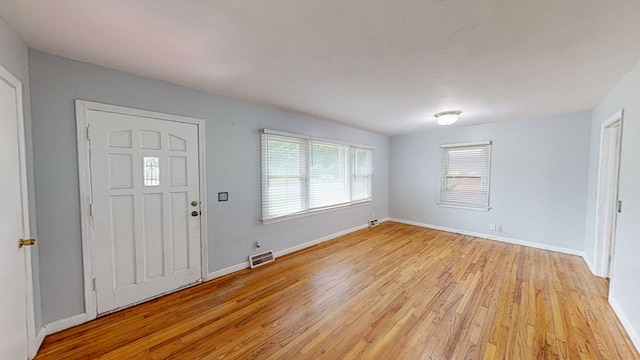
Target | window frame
(486,146)
(305,190)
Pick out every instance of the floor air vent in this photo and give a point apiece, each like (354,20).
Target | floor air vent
(261,258)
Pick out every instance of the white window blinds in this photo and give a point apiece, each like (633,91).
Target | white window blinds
(301,175)
(284,174)
(464,180)
(362,173)
(329,175)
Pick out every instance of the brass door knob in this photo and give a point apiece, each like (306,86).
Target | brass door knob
(194,203)
(195,213)
(26,242)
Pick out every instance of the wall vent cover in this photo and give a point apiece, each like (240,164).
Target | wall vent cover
(262,258)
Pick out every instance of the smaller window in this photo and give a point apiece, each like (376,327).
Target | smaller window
(464,179)
(151,171)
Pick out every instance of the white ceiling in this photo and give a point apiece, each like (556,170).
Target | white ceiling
(382,65)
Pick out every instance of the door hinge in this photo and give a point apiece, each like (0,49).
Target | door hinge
(88,132)
(91,210)
(95,285)
(619,206)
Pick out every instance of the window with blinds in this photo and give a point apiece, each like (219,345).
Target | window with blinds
(464,179)
(301,175)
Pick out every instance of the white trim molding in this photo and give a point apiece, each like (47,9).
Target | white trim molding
(84,174)
(226,271)
(320,240)
(589,264)
(37,342)
(492,237)
(601,250)
(64,324)
(441,204)
(626,324)
(477,143)
(245,265)
(316,212)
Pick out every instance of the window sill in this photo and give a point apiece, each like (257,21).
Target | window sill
(315,212)
(464,207)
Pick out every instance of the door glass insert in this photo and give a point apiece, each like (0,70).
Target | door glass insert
(151,170)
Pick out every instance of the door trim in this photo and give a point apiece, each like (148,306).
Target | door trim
(33,341)
(84,173)
(600,256)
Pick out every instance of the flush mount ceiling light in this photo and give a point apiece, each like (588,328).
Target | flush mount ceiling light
(447,117)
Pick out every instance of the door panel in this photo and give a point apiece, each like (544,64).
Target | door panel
(153,235)
(13,323)
(180,231)
(123,240)
(144,175)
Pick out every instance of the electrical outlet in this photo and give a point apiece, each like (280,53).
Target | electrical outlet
(492,227)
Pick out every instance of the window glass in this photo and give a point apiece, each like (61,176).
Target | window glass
(151,171)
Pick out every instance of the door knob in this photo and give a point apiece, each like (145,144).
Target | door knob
(194,203)
(26,242)
(195,213)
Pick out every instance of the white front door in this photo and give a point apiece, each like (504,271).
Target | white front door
(146,207)
(13,321)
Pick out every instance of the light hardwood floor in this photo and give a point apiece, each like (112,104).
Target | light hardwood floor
(392,292)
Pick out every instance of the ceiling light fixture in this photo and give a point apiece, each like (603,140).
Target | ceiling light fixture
(447,117)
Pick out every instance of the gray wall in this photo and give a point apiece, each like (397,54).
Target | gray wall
(538,179)
(14,58)
(232,162)
(625,282)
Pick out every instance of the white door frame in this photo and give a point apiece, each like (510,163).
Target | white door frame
(603,248)
(84,171)
(33,338)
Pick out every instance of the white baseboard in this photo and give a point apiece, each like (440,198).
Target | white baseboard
(318,241)
(245,265)
(64,324)
(37,342)
(228,270)
(590,265)
(626,324)
(494,237)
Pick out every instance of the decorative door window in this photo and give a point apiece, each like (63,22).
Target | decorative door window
(151,171)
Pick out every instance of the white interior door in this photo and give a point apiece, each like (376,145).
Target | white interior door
(13,320)
(611,194)
(607,195)
(146,207)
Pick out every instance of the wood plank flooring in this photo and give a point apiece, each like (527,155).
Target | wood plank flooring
(392,292)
